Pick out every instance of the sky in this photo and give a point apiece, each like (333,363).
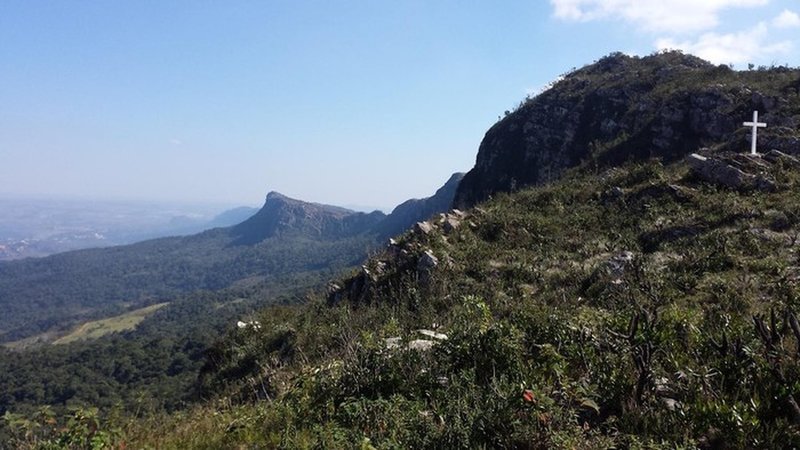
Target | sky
(363,103)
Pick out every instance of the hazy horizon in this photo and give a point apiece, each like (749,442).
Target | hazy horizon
(209,205)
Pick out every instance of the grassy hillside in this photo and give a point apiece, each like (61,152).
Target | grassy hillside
(638,307)
(62,291)
(148,369)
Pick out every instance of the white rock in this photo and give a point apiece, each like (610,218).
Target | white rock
(392,342)
(433,334)
(420,345)
(254,324)
(423,227)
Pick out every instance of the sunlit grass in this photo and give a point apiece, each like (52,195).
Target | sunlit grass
(99,328)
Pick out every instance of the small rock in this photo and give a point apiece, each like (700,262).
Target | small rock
(427,261)
(617,265)
(496,265)
(433,334)
(775,156)
(423,227)
(335,293)
(368,274)
(458,213)
(681,193)
(392,342)
(662,388)
(253,324)
(450,224)
(421,345)
(671,403)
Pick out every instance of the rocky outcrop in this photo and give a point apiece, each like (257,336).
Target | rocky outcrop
(416,210)
(625,108)
(427,262)
(743,173)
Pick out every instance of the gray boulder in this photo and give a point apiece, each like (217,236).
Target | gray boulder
(726,173)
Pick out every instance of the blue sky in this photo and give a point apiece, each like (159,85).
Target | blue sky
(343,102)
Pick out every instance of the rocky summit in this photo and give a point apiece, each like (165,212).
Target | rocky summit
(623,108)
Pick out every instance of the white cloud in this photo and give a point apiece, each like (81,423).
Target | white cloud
(176,141)
(787,19)
(674,16)
(746,46)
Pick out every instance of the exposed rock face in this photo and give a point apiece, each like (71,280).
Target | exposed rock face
(622,108)
(618,264)
(427,262)
(423,227)
(418,210)
(742,171)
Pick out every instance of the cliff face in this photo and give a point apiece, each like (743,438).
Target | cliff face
(629,108)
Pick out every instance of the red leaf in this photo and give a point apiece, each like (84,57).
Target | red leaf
(528,396)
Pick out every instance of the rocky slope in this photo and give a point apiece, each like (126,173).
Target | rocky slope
(647,306)
(415,210)
(625,108)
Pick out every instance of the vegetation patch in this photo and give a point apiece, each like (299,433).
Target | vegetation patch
(99,328)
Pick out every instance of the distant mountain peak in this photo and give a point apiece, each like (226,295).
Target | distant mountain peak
(275,195)
(281,215)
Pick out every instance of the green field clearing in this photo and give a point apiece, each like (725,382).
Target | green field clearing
(99,328)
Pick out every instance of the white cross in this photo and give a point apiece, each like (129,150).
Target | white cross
(755,125)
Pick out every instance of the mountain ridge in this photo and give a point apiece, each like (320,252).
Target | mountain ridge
(283,237)
(283,214)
